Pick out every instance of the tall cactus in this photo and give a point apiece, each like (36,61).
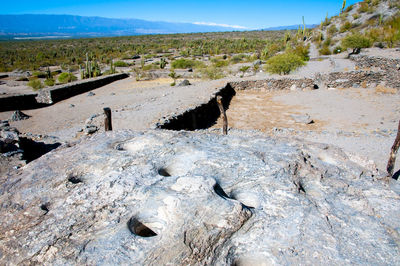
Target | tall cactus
(343,6)
(304,29)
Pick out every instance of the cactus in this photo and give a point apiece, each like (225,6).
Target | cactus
(163,63)
(343,6)
(91,69)
(304,29)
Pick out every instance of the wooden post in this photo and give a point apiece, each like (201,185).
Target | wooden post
(393,152)
(107,119)
(225,119)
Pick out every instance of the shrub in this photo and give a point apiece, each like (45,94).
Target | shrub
(211,73)
(49,82)
(332,30)
(121,64)
(271,49)
(283,63)
(238,58)
(36,84)
(325,50)
(363,7)
(356,16)
(345,26)
(356,42)
(302,51)
(219,63)
(186,63)
(39,74)
(66,77)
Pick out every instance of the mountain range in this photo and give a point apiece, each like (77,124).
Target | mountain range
(68,26)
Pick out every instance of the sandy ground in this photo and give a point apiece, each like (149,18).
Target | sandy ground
(361,121)
(135,105)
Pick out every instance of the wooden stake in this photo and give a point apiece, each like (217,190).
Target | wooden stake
(393,152)
(107,119)
(225,119)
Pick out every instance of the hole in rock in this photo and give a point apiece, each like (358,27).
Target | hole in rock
(119,147)
(45,207)
(163,172)
(203,116)
(220,192)
(315,87)
(138,228)
(396,175)
(74,179)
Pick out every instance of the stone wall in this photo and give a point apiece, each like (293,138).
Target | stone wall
(273,84)
(389,66)
(352,79)
(62,92)
(18,102)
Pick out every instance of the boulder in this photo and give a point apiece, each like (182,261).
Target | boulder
(302,119)
(185,82)
(18,115)
(181,198)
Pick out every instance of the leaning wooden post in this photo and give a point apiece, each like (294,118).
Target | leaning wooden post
(107,119)
(225,119)
(393,152)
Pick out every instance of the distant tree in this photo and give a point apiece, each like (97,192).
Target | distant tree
(356,42)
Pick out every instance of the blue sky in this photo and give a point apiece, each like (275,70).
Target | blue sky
(249,14)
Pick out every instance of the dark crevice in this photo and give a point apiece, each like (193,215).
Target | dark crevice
(163,172)
(203,116)
(139,229)
(45,207)
(396,175)
(74,179)
(220,192)
(33,150)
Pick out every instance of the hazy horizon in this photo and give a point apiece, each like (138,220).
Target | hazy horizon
(235,14)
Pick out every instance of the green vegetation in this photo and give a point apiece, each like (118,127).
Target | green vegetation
(163,63)
(174,76)
(91,69)
(284,63)
(212,72)
(183,63)
(243,69)
(121,64)
(31,55)
(36,84)
(356,42)
(66,77)
(49,82)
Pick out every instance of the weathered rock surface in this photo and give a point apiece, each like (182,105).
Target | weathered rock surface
(180,198)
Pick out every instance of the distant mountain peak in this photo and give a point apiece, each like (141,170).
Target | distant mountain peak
(31,25)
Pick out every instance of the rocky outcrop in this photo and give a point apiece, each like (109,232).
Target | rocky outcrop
(164,197)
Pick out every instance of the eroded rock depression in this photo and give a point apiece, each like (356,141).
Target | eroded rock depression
(187,198)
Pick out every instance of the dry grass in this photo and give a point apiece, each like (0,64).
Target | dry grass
(364,84)
(380,89)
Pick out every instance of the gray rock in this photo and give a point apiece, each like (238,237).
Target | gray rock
(90,129)
(185,82)
(257,63)
(180,198)
(9,137)
(71,105)
(91,93)
(303,119)
(4,124)
(18,115)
